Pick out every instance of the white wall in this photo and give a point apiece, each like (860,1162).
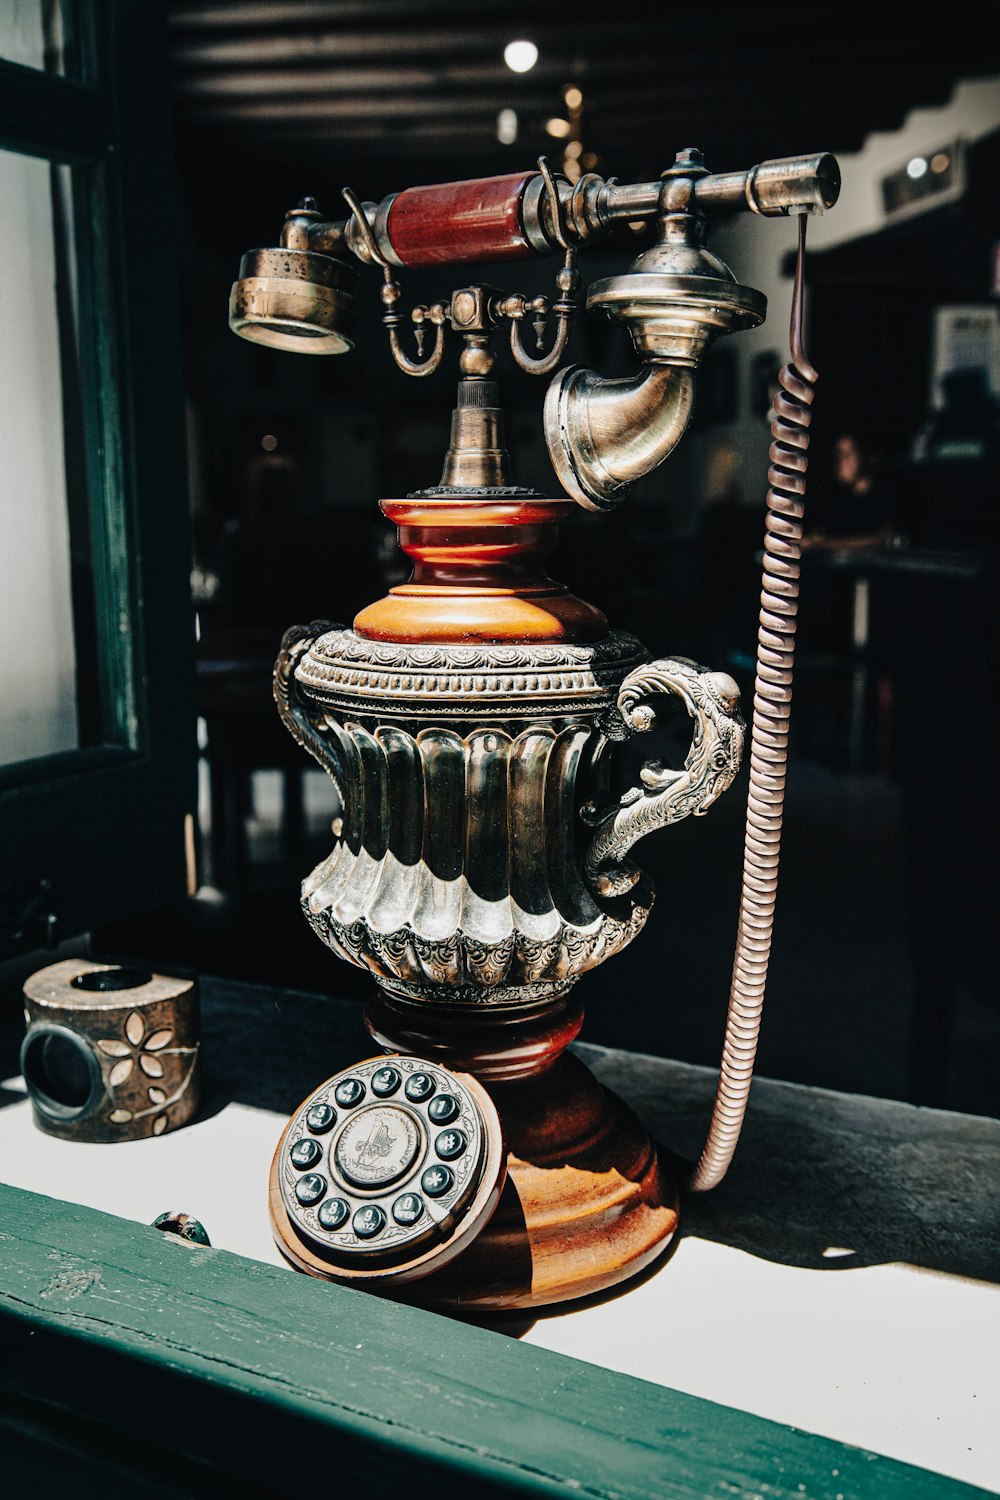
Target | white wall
(755,248)
(37,670)
(973,112)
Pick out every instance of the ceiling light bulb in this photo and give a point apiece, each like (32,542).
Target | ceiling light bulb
(507,127)
(558,128)
(916,167)
(573,96)
(520,56)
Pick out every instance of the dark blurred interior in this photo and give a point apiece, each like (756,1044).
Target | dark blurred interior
(882,978)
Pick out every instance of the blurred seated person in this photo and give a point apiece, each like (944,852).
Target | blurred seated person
(855,512)
(849,516)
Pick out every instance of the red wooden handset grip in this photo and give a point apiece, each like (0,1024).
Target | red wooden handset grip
(468,222)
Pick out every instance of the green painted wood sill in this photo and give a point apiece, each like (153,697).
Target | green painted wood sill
(137,1365)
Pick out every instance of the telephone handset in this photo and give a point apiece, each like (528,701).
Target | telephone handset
(387,1171)
(469,720)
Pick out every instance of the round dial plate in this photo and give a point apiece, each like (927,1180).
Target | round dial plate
(381,1182)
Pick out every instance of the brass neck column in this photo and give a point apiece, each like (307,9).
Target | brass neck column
(476,457)
(477,541)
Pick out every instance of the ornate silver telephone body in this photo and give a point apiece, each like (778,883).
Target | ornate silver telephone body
(469,721)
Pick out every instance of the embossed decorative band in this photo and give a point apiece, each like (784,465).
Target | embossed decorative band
(344,670)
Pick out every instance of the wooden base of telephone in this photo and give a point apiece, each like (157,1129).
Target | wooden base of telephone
(585,1202)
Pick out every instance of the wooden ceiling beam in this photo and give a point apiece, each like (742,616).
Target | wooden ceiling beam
(399,107)
(339,47)
(619,110)
(247,15)
(676,127)
(927,78)
(387,77)
(752,33)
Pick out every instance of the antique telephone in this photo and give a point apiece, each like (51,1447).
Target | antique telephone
(469,720)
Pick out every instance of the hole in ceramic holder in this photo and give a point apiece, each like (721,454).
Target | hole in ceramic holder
(106,981)
(61,1072)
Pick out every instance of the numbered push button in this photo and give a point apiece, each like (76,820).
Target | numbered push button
(320,1118)
(305,1153)
(349,1092)
(310,1189)
(437,1181)
(419,1086)
(385,1082)
(368,1221)
(333,1213)
(407,1209)
(443,1109)
(449,1144)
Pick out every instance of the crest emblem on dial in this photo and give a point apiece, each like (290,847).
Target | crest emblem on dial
(377,1146)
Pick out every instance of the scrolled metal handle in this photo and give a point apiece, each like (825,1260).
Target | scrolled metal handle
(299,716)
(666,795)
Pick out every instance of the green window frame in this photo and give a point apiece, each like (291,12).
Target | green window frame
(102,832)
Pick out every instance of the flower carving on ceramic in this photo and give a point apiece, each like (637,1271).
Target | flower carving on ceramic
(140,1051)
(139,1046)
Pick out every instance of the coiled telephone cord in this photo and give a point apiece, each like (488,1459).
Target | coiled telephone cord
(768,743)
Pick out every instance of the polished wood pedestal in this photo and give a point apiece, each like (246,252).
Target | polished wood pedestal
(587,1202)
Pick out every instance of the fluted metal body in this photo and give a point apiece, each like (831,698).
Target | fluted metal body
(456,870)
(469,775)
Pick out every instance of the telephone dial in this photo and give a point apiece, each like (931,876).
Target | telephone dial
(387,1169)
(470,721)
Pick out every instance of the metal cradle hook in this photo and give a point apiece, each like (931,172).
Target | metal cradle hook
(567,280)
(391,294)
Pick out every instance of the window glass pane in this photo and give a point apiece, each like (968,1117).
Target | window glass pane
(48,682)
(40,34)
